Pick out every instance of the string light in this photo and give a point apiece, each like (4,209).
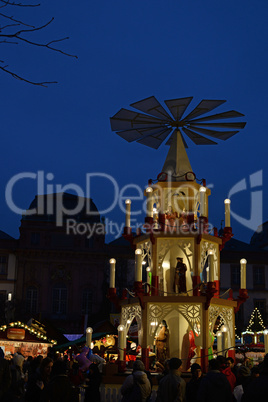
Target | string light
(31,330)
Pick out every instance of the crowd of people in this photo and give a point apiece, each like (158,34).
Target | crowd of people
(55,378)
(224,382)
(50,379)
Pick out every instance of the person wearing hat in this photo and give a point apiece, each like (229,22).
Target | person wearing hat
(172,387)
(193,385)
(136,386)
(179,284)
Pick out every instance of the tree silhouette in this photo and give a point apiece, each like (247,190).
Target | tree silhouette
(15,31)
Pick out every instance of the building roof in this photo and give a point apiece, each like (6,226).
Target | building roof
(49,205)
(260,237)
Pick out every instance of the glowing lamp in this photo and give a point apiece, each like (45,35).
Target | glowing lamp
(227,204)
(149,202)
(112,272)
(243,266)
(128,206)
(202,200)
(89,331)
(121,341)
(138,265)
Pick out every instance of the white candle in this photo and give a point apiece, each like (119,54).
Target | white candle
(227,203)
(121,341)
(128,205)
(112,272)
(211,267)
(202,200)
(89,331)
(149,202)
(243,276)
(138,265)
(219,341)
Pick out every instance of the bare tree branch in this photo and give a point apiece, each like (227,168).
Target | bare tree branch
(8,26)
(9,35)
(8,3)
(9,42)
(14,75)
(13,19)
(47,45)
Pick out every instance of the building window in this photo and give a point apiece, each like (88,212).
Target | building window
(35,238)
(31,299)
(87,301)
(59,299)
(260,304)
(235,276)
(3,265)
(258,277)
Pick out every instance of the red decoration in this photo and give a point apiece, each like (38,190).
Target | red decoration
(243,296)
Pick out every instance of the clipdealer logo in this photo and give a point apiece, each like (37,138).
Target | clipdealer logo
(43,183)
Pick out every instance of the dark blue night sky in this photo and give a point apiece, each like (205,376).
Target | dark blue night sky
(127,51)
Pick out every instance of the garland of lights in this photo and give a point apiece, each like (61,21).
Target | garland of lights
(32,331)
(255,313)
(236,336)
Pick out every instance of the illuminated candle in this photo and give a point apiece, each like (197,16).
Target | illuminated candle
(121,341)
(112,272)
(211,266)
(227,203)
(243,276)
(224,339)
(149,202)
(138,265)
(128,205)
(219,341)
(202,200)
(89,331)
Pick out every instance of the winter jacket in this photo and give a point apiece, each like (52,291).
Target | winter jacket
(142,380)
(214,387)
(230,377)
(171,388)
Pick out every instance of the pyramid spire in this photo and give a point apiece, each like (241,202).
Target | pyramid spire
(177,163)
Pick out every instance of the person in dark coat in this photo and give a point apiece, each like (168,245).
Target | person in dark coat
(5,376)
(180,278)
(257,390)
(93,382)
(193,385)
(214,386)
(243,381)
(38,381)
(172,387)
(59,388)
(16,390)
